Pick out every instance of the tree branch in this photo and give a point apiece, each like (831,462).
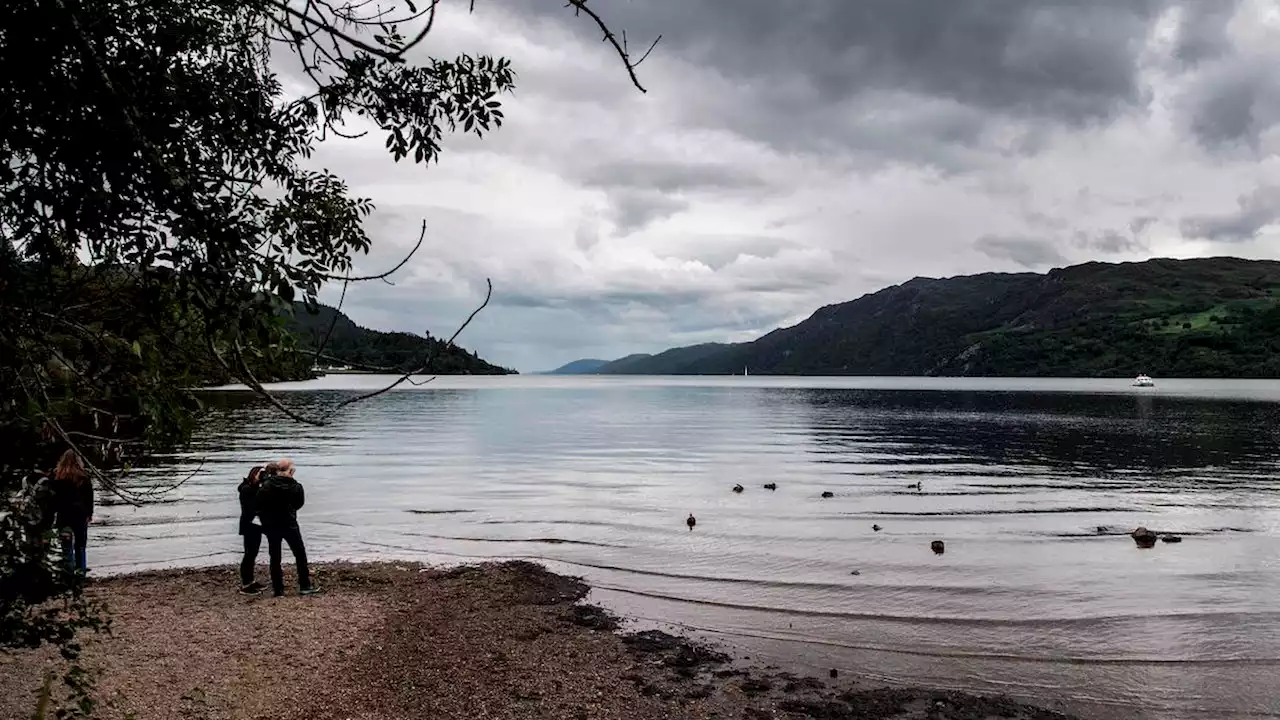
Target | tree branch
(449,343)
(333,323)
(426,30)
(246,377)
(580,6)
(422,234)
(332,30)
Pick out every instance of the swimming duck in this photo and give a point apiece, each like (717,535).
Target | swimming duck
(771,486)
(691,521)
(737,488)
(828,494)
(938,547)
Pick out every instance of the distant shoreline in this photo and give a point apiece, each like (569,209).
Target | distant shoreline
(391,640)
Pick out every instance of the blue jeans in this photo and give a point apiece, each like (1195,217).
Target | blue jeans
(74,539)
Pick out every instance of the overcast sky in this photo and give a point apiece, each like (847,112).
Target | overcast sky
(794,154)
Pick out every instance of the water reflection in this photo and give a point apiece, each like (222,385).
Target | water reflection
(1074,434)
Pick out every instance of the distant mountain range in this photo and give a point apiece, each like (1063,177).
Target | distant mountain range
(400,351)
(1211,317)
(585,366)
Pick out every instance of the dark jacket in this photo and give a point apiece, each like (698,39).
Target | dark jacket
(72,502)
(248,505)
(279,499)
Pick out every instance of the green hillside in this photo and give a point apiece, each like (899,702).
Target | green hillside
(363,348)
(1212,317)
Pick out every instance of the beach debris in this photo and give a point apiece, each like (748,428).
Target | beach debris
(771,486)
(938,547)
(828,494)
(1144,538)
(1172,539)
(595,618)
(834,673)
(675,652)
(691,521)
(737,488)
(917,486)
(876,528)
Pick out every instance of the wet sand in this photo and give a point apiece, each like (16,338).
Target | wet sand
(398,640)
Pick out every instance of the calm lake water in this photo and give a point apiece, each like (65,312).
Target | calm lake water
(1032,484)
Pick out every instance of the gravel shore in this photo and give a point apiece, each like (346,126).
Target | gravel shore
(392,641)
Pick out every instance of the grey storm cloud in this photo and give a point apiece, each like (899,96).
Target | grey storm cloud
(670,176)
(1112,242)
(1235,101)
(1202,30)
(1030,253)
(1232,96)
(735,247)
(636,208)
(1139,225)
(644,191)
(1254,212)
(930,82)
(1070,59)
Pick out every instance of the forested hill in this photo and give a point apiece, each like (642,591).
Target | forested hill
(1211,317)
(402,351)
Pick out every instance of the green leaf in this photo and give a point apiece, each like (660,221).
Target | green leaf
(137,349)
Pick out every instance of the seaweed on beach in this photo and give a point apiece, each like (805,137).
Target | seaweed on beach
(675,651)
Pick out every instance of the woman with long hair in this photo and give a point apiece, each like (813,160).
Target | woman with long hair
(251,531)
(73,507)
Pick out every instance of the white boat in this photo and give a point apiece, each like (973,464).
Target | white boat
(1143,381)
(744,370)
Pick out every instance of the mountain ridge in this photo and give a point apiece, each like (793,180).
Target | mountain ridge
(1205,317)
(585,366)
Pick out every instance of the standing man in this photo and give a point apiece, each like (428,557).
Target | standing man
(251,531)
(279,499)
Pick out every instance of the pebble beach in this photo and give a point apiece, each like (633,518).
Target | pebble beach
(383,641)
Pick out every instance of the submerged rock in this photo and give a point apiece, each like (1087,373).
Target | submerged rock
(1144,537)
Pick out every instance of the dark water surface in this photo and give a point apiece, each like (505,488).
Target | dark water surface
(597,475)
